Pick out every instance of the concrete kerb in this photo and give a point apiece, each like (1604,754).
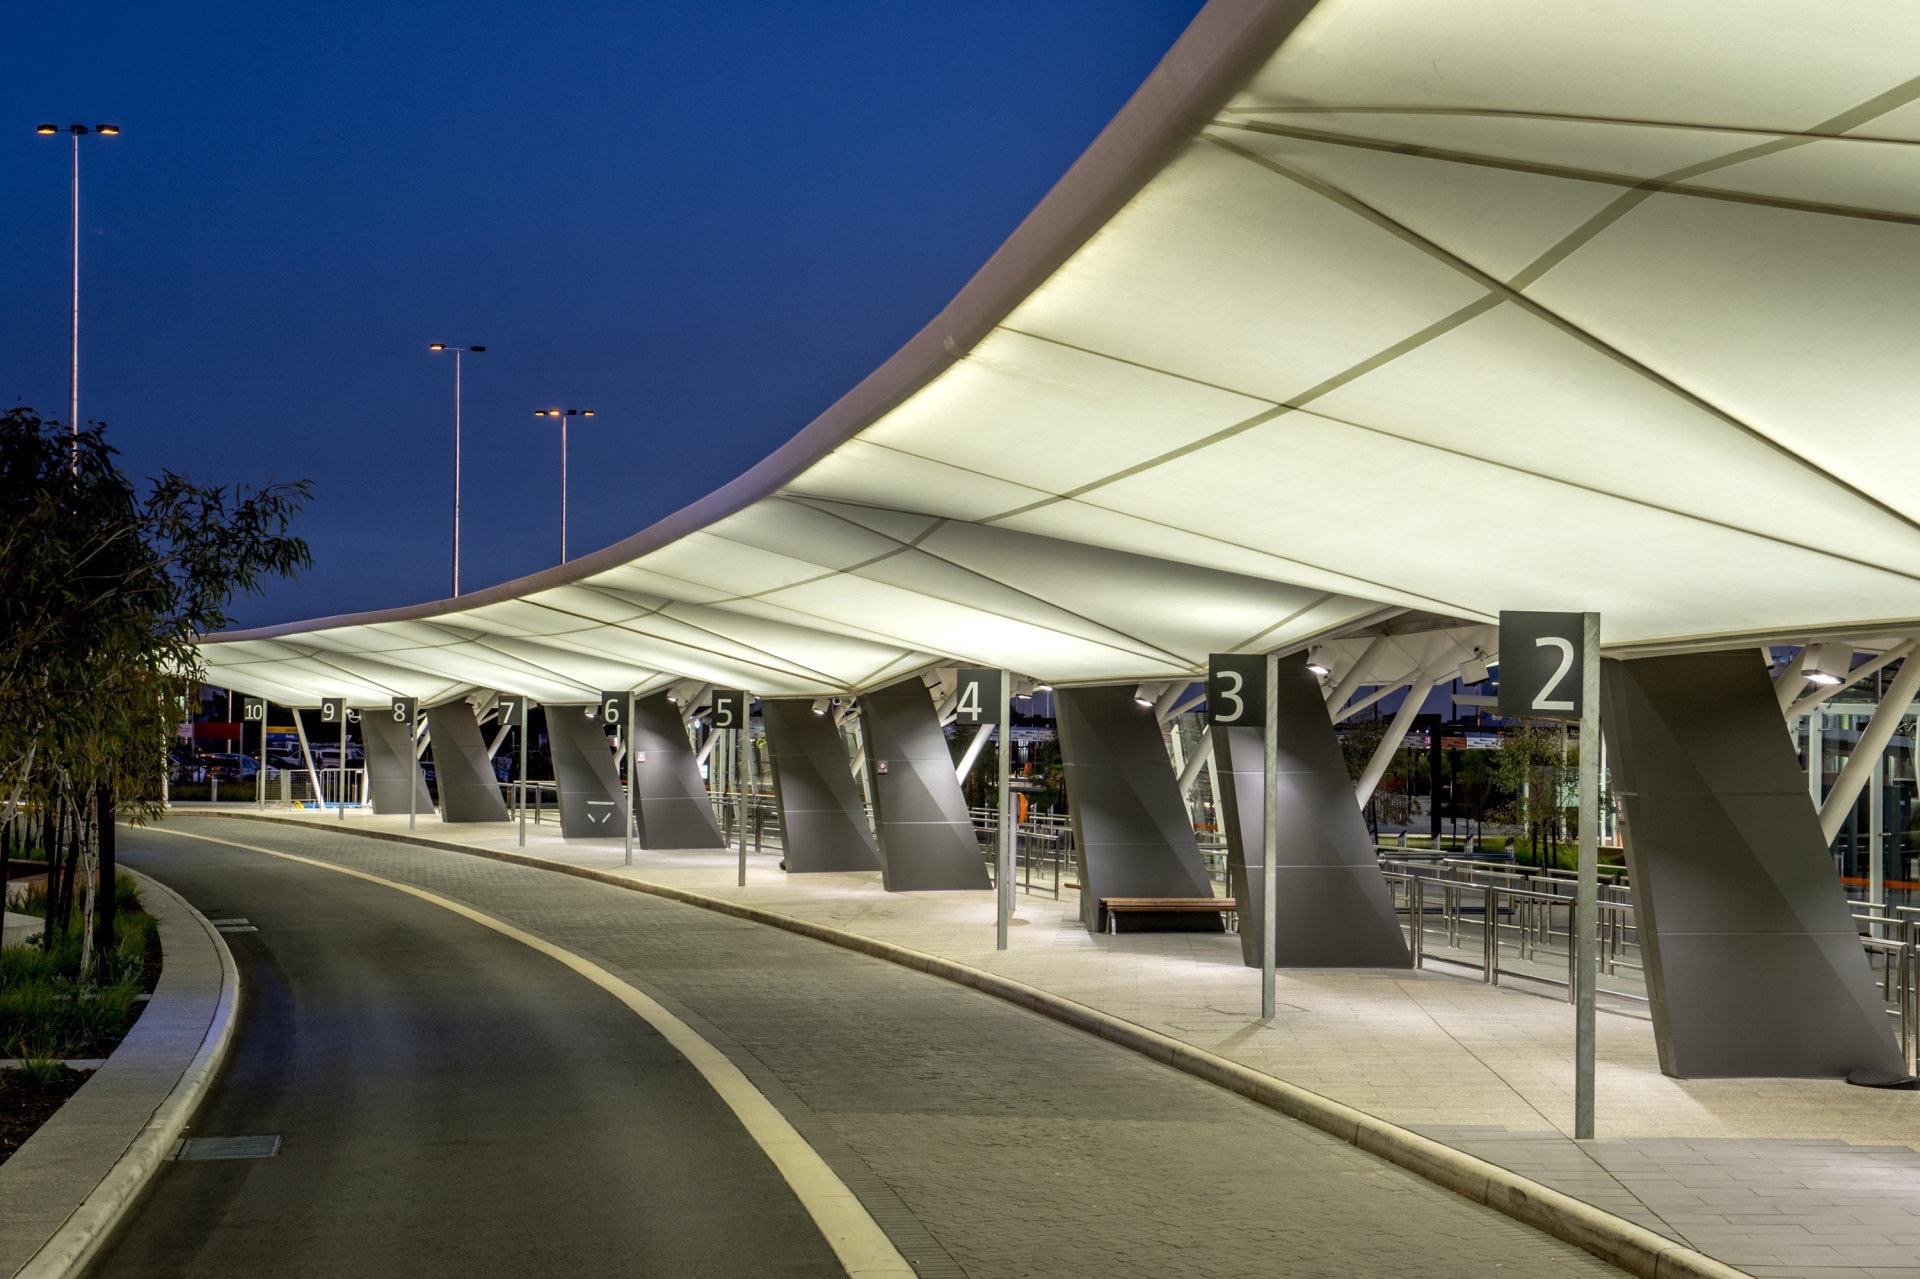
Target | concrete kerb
(74,1243)
(1631,1247)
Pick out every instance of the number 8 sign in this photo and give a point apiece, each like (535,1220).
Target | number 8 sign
(1540,659)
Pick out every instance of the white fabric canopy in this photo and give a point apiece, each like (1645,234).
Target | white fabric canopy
(1358,307)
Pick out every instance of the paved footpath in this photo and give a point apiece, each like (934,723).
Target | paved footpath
(988,1141)
(1782,1178)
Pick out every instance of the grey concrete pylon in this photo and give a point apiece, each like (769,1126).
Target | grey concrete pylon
(674,811)
(592,803)
(923,831)
(1753,963)
(823,826)
(1130,826)
(390,761)
(1332,907)
(469,790)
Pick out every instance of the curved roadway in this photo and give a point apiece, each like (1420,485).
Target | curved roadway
(453,1102)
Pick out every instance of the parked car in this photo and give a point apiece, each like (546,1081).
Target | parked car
(228,767)
(184,765)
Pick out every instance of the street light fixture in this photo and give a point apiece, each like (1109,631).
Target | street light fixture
(563,415)
(458,351)
(76,131)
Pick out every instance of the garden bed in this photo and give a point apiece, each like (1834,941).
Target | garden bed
(49,1015)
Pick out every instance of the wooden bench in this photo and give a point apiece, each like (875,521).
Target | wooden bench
(1113,906)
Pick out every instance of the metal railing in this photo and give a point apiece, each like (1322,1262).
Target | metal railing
(1043,842)
(1891,936)
(1503,922)
(336,785)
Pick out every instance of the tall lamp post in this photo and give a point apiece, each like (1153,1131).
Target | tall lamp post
(563,415)
(77,132)
(458,351)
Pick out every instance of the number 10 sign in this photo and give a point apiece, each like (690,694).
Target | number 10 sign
(1540,663)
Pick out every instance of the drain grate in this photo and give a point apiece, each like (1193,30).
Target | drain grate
(229,1148)
(233,926)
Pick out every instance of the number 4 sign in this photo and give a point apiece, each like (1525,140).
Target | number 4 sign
(978,697)
(1540,663)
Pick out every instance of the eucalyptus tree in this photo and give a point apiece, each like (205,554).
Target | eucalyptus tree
(102,589)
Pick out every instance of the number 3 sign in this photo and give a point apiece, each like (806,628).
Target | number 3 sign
(1540,658)
(1237,690)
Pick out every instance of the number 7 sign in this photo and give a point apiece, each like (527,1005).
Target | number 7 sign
(1540,663)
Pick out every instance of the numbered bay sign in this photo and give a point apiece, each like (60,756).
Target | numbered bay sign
(980,695)
(513,710)
(729,708)
(1540,656)
(613,713)
(404,710)
(253,710)
(1237,690)
(333,710)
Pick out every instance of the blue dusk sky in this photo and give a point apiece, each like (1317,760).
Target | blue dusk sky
(705,222)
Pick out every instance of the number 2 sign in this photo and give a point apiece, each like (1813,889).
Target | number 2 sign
(1540,659)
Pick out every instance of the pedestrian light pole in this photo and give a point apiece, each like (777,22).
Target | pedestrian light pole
(563,415)
(458,351)
(76,132)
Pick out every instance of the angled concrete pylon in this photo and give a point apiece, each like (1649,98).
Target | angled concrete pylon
(592,803)
(1754,966)
(823,825)
(1332,906)
(925,835)
(390,762)
(469,791)
(674,809)
(1130,827)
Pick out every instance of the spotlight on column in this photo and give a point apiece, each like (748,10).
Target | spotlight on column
(1827,664)
(820,705)
(1145,694)
(1318,661)
(1474,669)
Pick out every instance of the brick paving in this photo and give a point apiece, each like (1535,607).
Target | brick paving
(1016,1146)
(1779,1177)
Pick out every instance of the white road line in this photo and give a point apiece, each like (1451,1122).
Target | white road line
(856,1239)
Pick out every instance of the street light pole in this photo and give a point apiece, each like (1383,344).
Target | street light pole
(76,132)
(458,351)
(563,415)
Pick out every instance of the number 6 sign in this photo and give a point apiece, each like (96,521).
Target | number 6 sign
(1540,662)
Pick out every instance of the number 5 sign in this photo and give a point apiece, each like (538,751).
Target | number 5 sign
(729,707)
(1540,664)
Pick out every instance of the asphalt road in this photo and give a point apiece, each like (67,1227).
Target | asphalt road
(454,1103)
(450,1102)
